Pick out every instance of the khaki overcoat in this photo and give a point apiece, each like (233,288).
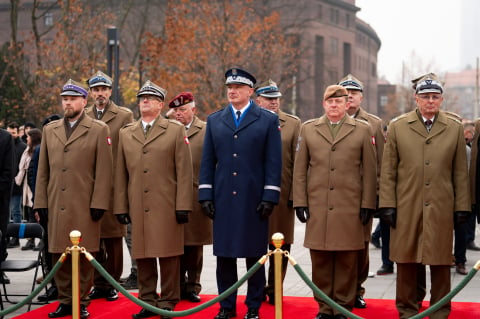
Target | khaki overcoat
(334,178)
(425,177)
(198,230)
(115,117)
(153,179)
(73,176)
(283,217)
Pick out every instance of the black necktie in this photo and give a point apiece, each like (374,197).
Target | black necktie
(238,115)
(147,129)
(99,114)
(428,124)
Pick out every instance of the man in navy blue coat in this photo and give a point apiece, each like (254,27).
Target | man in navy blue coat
(240,177)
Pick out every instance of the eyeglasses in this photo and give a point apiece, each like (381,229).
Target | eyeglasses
(149,98)
(427,97)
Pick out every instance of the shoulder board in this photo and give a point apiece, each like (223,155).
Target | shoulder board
(125,109)
(453,118)
(309,121)
(398,118)
(128,125)
(374,116)
(292,116)
(267,110)
(219,110)
(362,121)
(175,122)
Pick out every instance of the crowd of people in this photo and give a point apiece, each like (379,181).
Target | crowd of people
(170,183)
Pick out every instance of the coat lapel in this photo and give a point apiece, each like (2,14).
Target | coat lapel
(416,125)
(59,131)
(251,116)
(346,128)
(194,128)
(227,118)
(323,129)
(157,129)
(81,129)
(138,133)
(439,126)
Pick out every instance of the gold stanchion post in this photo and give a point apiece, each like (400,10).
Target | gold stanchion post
(277,241)
(75,238)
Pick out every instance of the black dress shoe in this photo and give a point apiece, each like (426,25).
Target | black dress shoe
(323,316)
(84,312)
(191,296)
(385,270)
(111,294)
(460,268)
(144,313)
(225,313)
(165,317)
(52,294)
(97,293)
(252,313)
(360,302)
(63,310)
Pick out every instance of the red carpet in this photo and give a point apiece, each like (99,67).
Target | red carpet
(293,308)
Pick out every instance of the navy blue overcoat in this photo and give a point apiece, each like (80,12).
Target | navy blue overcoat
(241,166)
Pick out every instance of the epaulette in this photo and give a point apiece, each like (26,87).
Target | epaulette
(175,122)
(292,116)
(374,116)
(125,109)
(453,116)
(398,118)
(128,125)
(309,121)
(362,121)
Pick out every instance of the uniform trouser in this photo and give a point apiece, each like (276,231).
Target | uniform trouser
(363,267)
(335,273)
(270,289)
(63,279)
(169,285)
(110,257)
(408,279)
(191,263)
(128,241)
(227,276)
(385,233)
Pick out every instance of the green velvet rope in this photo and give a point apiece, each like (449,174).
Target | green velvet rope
(37,290)
(182,313)
(349,314)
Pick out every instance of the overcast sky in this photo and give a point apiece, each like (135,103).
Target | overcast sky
(426,29)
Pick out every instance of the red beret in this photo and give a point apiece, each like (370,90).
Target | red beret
(181,99)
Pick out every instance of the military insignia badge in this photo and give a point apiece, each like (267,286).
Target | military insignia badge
(185,138)
(373,140)
(109,140)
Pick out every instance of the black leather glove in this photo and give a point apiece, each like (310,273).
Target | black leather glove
(290,203)
(389,216)
(208,208)
(42,214)
(182,216)
(124,219)
(96,213)
(302,214)
(265,209)
(366,214)
(461,217)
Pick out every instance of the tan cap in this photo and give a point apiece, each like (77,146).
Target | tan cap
(334,91)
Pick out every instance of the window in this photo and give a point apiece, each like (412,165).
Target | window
(383,100)
(333,46)
(48,19)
